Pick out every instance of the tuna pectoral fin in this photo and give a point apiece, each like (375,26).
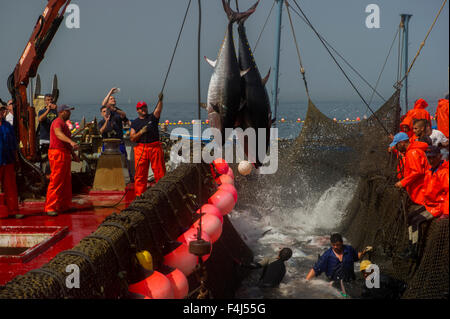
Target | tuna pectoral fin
(237,16)
(264,80)
(244,72)
(210,62)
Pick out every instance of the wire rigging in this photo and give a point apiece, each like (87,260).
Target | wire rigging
(342,70)
(176,45)
(339,54)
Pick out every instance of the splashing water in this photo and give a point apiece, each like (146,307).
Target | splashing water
(304,229)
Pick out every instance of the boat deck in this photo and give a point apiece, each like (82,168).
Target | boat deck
(67,229)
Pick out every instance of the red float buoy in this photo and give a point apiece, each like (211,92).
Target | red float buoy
(231,189)
(224,179)
(223,200)
(221,166)
(181,259)
(210,225)
(211,209)
(156,286)
(180,284)
(230,173)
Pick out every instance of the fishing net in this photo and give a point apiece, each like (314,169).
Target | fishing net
(324,153)
(106,258)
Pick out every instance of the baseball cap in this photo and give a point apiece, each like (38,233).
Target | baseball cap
(64,107)
(433,151)
(399,137)
(140,104)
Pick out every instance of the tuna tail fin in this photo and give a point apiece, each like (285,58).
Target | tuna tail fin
(234,16)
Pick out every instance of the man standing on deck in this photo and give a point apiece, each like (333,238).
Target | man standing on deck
(442,115)
(113,127)
(337,262)
(144,132)
(60,153)
(45,117)
(8,157)
(10,112)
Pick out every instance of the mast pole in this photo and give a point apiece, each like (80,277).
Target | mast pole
(199,116)
(275,89)
(405,25)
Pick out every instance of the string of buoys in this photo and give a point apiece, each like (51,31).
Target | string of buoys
(175,285)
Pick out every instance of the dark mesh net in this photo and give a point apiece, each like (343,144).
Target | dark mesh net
(326,152)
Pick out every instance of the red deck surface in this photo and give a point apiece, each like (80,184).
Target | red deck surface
(82,221)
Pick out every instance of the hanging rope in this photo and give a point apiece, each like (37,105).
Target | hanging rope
(265,23)
(342,70)
(338,54)
(176,46)
(423,42)
(302,70)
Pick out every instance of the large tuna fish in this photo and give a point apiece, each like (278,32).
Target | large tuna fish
(224,92)
(256,112)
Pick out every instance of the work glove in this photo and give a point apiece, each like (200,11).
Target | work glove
(144,129)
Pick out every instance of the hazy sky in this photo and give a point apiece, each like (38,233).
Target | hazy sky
(129,43)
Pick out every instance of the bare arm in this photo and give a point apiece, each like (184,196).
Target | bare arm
(106,99)
(134,137)
(159,106)
(59,134)
(103,128)
(311,274)
(42,117)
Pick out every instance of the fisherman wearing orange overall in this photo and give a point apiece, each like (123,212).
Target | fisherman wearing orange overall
(8,156)
(416,165)
(60,153)
(435,199)
(442,116)
(418,112)
(144,132)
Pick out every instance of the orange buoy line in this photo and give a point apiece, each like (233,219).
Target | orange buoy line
(175,284)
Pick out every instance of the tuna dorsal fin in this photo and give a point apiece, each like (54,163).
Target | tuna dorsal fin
(237,16)
(211,62)
(264,80)
(244,72)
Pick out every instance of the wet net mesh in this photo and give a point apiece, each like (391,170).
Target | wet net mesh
(324,153)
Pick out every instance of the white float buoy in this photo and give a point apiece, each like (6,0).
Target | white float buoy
(245,168)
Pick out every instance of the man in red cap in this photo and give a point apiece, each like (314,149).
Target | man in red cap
(144,131)
(60,153)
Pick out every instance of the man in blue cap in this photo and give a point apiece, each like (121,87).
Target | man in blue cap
(415,165)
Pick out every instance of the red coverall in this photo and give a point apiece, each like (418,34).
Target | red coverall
(144,155)
(436,190)
(9,187)
(59,191)
(416,165)
(442,116)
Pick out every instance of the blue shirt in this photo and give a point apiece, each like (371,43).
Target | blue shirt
(8,144)
(152,135)
(335,269)
(44,131)
(114,129)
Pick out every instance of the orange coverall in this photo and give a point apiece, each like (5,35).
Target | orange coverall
(59,191)
(436,190)
(418,112)
(442,116)
(416,165)
(144,155)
